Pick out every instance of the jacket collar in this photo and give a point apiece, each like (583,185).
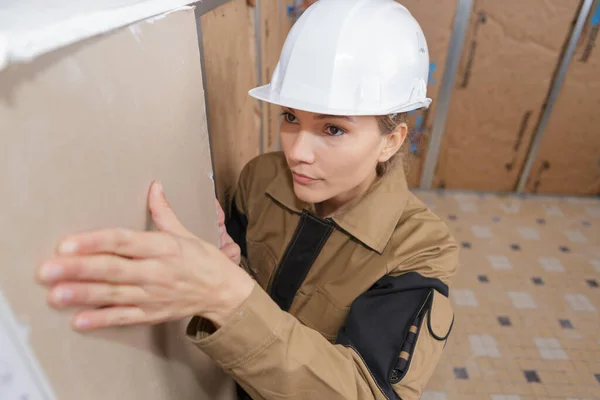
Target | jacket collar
(371,218)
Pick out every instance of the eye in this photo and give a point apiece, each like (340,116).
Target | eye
(333,130)
(289,117)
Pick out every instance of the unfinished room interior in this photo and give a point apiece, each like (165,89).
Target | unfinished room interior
(293,199)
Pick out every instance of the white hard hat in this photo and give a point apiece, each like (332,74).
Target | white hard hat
(351,57)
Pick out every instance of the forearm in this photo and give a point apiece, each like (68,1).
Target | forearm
(272,354)
(388,348)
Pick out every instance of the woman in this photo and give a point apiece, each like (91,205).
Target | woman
(343,290)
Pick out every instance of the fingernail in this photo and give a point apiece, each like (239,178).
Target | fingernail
(159,186)
(82,323)
(51,272)
(62,295)
(67,247)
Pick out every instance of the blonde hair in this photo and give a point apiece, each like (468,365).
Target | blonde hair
(387,124)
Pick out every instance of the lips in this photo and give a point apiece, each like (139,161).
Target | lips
(303,179)
(304,176)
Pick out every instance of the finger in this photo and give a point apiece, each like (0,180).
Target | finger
(98,268)
(232,251)
(220,213)
(225,238)
(162,214)
(95,294)
(120,241)
(88,320)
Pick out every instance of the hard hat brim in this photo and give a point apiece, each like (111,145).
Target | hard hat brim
(264,93)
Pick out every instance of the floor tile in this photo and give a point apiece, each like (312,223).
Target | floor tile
(482,232)
(551,264)
(464,297)
(532,376)
(461,373)
(430,395)
(529,233)
(550,349)
(537,280)
(579,302)
(483,345)
(565,323)
(575,236)
(553,211)
(526,317)
(499,262)
(593,211)
(522,300)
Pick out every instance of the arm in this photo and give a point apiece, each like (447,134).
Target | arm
(273,356)
(388,349)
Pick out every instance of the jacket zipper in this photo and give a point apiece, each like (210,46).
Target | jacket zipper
(402,364)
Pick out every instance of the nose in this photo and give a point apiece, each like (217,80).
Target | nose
(302,150)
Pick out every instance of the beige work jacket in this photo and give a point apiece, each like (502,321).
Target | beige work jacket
(350,307)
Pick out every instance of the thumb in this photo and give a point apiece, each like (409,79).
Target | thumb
(162,214)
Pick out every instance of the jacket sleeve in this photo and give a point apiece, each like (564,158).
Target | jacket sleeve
(388,348)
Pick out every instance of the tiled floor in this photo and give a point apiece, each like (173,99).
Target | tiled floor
(526,298)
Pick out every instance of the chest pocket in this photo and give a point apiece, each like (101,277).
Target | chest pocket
(261,261)
(320,313)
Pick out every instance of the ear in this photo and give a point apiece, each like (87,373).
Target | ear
(392,142)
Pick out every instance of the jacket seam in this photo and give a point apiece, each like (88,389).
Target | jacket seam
(286,253)
(438,338)
(252,353)
(428,299)
(368,369)
(412,353)
(317,251)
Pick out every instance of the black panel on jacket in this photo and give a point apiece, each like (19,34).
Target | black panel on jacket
(236,225)
(302,251)
(379,321)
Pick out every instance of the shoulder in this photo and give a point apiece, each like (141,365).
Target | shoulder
(257,175)
(261,170)
(422,242)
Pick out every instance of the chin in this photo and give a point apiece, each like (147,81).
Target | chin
(309,195)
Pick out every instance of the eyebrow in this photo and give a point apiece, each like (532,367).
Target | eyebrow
(327,116)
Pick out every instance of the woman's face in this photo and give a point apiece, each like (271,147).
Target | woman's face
(334,158)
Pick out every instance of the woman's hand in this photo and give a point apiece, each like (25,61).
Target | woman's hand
(228,246)
(125,277)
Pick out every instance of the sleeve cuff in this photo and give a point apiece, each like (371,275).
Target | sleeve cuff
(249,331)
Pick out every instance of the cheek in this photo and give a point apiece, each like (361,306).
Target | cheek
(285,137)
(351,162)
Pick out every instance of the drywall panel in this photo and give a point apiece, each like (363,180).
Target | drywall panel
(568,160)
(29,28)
(276,19)
(509,57)
(83,131)
(230,69)
(436,18)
